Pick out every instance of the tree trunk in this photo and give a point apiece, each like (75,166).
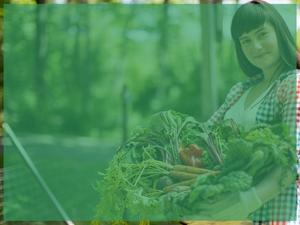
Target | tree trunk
(208,73)
(40,63)
(163,54)
(122,73)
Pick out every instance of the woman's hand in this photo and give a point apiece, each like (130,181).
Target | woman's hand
(271,185)
(233,206)
(238,206)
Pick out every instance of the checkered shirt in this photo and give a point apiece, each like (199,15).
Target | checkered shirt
(281,103)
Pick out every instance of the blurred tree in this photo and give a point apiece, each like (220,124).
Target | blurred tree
(163,54)
(41,49)
(89,60)
(124,94)
(209,76)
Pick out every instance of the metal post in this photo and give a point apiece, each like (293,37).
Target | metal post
(36,174)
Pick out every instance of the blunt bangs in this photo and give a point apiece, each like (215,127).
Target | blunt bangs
(247,18)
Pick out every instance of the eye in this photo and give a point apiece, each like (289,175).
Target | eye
(263,34)
(245,42)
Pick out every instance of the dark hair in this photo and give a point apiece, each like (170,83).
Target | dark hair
(253,15)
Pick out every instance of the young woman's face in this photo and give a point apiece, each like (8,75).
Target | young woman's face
(260,46)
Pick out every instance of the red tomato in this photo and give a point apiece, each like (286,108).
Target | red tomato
(190,156)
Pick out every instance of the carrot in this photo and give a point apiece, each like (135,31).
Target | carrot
(182,183)
(177,189)
(191,169)
(182,175)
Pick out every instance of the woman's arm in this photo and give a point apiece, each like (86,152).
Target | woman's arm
(289,101)
(267,189)
(270,187)
(233,95)
(239,206)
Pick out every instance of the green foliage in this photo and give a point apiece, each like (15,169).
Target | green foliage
(66,66)
(238,153)
(142,173)
(236,181)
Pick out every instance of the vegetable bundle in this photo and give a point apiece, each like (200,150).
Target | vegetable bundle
(175,165)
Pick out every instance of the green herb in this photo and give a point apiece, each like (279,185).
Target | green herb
(147,178)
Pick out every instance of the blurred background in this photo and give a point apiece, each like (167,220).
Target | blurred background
(80,78)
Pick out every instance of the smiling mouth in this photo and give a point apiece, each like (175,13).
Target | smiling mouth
(261,55)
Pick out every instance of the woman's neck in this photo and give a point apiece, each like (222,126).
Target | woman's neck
(271,73)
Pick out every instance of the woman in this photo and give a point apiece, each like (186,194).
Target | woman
(267,54)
